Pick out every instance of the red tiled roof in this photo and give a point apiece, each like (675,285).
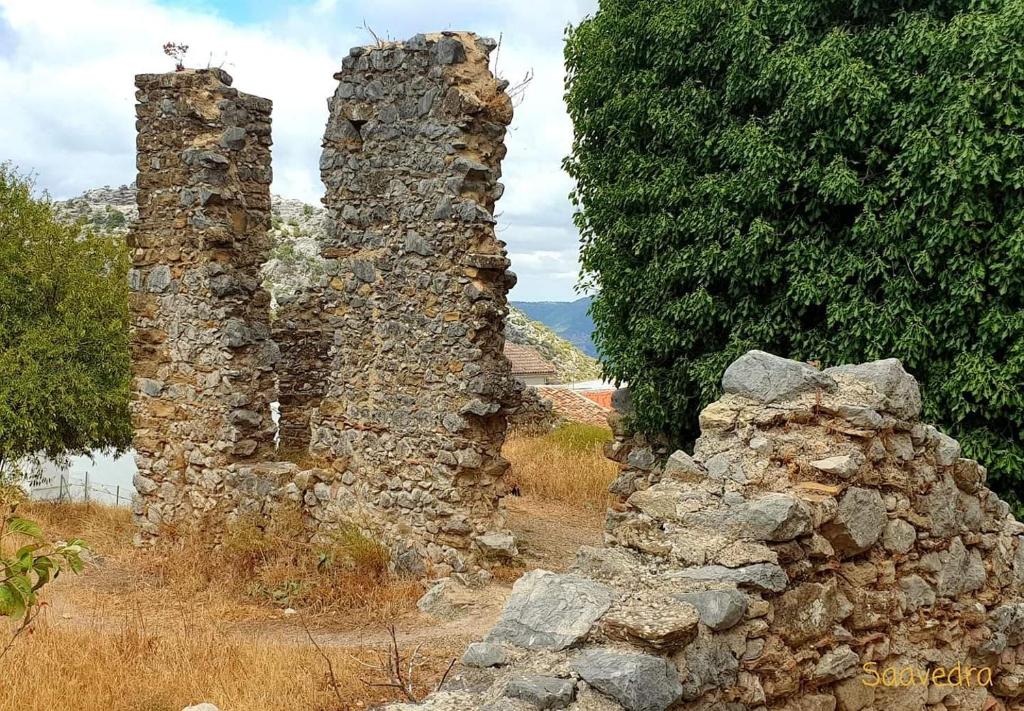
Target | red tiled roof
(527,361)
(574,406)
(601,397)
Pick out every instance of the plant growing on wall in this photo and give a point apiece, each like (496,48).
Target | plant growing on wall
(64,363)
(839,181)
(177,52)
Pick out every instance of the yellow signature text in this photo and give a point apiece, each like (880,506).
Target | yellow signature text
(958,675)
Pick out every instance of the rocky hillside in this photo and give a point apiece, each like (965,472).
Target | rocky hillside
(295,226)
(569,319)
(295,229)
(572,364)
(295,262)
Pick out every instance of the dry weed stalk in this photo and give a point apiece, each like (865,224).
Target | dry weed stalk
(366,28)
(517,91)
(390,663)
(332,678)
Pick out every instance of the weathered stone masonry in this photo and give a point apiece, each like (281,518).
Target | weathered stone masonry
(414,413)
(201,348)
(392,380)
(302,372)
(819,535)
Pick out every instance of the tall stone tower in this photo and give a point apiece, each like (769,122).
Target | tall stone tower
(202,356)
(413,413)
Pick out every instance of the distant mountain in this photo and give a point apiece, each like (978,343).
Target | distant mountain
(295,233)
(569,319)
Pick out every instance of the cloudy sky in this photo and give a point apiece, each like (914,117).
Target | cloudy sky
(67,95)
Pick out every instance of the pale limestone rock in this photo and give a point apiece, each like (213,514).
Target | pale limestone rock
(639,682)
(663,624)
(898,536)
(719,609)
(484,654)
(897,390)
(551,611)
(768,378)
(858,523)
(807,612)
(766,577)
(843,466)
(839,663)
(542,692)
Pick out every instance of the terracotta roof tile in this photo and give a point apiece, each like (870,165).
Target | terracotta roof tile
(527,361)
(573,406)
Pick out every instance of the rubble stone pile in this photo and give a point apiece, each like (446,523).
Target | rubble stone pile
(820,549)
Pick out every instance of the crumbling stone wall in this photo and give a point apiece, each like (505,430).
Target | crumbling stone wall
(818,544)
(534,414)
(393,385)
(202,357)
(413,417)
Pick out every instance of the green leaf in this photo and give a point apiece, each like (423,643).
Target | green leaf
(826,181)
(24,527)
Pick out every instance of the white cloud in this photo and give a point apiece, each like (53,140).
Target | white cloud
(67,96)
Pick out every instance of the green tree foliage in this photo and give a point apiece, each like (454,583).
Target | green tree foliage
(837,181)
(64,363)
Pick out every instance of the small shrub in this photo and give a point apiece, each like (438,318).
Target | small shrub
(285,252)
(28,562)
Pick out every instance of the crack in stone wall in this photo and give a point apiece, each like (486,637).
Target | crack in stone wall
(391,376)
(202,355)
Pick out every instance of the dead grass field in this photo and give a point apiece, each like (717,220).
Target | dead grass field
(136,668)
(156,629)
(566,466)
(160,629)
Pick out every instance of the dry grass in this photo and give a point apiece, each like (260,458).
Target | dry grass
(129,667)
(108,529)
(256,571)
(344,574)
(567,465)
(159,629)
(163,628)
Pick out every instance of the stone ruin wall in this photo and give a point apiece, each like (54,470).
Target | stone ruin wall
(412,417)
(392,380)
(818,527)
(201,350)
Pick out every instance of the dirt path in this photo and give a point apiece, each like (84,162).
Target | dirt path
(107,595)
(548,534)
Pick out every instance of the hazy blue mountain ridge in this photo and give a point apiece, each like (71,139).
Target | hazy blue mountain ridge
(569,319)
